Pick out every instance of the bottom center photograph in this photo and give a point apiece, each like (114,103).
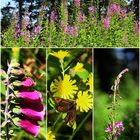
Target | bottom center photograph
(70,94)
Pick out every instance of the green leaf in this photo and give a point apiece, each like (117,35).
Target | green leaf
(3,88)
(83,75)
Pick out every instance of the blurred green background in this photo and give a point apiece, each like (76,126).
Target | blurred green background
(108,64)
(34,62)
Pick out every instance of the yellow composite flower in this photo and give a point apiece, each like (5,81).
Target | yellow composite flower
(50,135)
(60,54)
(90,82)
(78,67)
(84,101)
(64,88)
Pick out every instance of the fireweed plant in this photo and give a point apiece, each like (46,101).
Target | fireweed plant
(23,105)
(81,27)
(68,98)
(115,127)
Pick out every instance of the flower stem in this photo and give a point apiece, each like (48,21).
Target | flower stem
(80,125)
(7,104)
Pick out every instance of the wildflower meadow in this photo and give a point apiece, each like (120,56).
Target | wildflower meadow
(72,24)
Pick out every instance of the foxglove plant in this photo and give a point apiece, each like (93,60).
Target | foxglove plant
(27,101)
(115,128)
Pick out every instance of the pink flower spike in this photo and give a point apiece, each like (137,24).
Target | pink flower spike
(123,13)
(28,82)
(31,96)
(91,9)
(34,111)
(30,126)
(106,22)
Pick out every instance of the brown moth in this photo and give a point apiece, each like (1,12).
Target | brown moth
(66,106)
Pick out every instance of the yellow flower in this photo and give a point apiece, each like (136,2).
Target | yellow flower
(90,82)
(84,101)
(60,54)
(78,67)
(64,88)
(50,135)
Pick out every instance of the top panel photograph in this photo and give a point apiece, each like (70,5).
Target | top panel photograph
(70,23)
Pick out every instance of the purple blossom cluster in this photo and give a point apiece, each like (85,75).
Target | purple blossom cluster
(91,9)
(118,128)
(53,16)
(106,22)
(113,9)
(77,3)
(69,30)
(81,17)
(27,31)
(136,27)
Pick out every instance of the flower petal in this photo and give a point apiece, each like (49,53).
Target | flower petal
(31,96)
(30,126)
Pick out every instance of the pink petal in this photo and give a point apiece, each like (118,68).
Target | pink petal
(31,96)
(34,111)
(28,82)
(30,126)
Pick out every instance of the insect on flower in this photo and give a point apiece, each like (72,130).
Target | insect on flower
(66,106)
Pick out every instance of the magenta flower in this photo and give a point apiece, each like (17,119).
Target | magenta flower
(106,22)
(30,96)
(34,111)
(30,126)
(37,29)
(73,31)
(17,31)
(81,17)
(118,128)
(113,9)
(28,83)
(63,27)
(91,9)
(53,16)
(123,13)
(77,3)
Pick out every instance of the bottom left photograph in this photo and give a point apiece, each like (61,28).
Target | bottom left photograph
(23,94)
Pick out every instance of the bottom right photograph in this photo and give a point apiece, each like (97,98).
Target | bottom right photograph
(116,94)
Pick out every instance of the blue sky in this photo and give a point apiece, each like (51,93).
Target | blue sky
(5,2)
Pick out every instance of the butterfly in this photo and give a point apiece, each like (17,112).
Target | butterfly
(66,106)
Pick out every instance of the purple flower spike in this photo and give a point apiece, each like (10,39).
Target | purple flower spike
(91,9)
(123,13)
(30,126)
(77,3)
(114,9)
(106,22)
(37,29)
(136,27)
(118,128)
(27,83)
(81,17)
(53,16)
(31,96)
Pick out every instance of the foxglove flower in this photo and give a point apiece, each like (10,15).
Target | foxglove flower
(27,83)
(30,126)
(31,96)
(29,100)
(136,27)
(106,22)
(34,111)
(72,31)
